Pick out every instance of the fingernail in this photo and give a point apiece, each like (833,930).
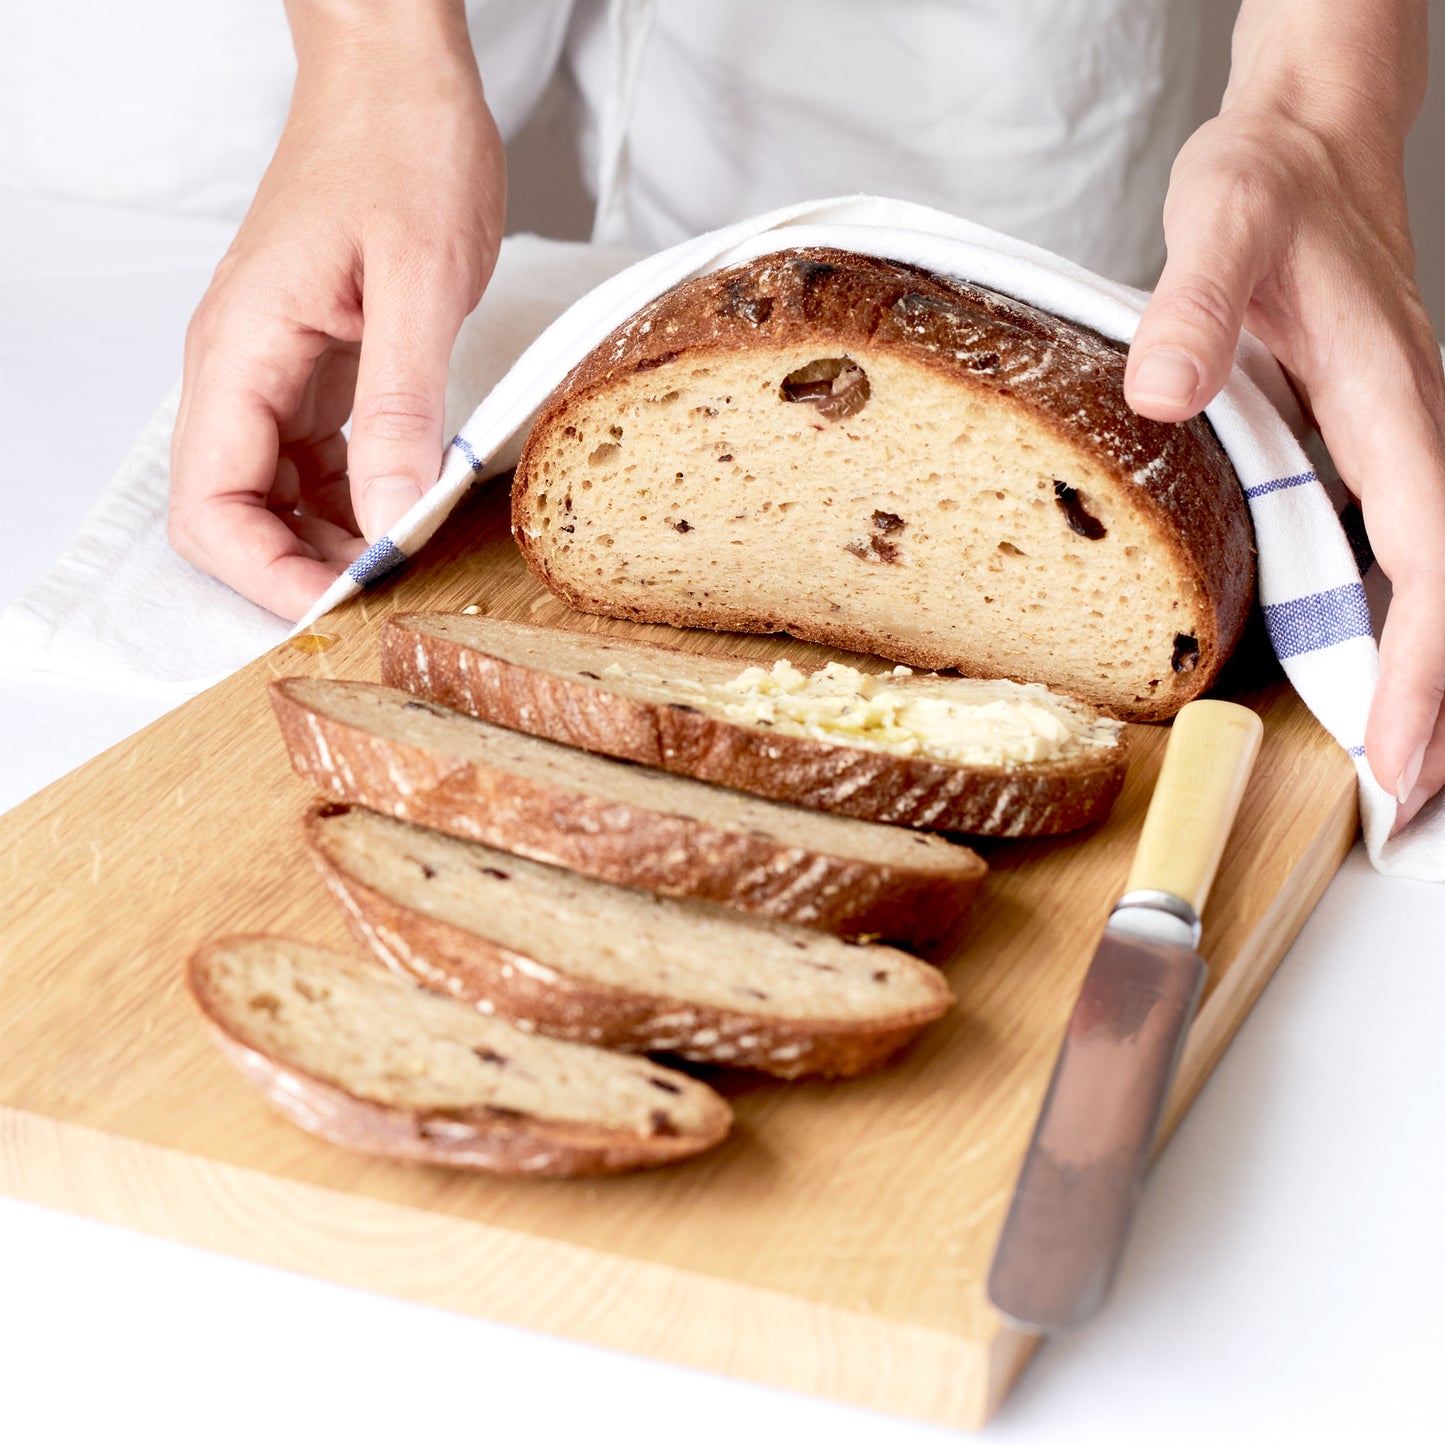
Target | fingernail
(1410,775)
(1405,814)
(385,502)
(1166,376)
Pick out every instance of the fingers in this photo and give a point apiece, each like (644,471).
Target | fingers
(326,539)
(1382,421)
(1406,708)
(324,488)
(286,488)
(1183,350)
(1404,741)
(242,374)
(411,321)
(1431,779)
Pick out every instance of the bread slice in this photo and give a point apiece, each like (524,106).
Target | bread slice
(924,751)
(363,1058)
(397,754)
(869,456)
(617,967)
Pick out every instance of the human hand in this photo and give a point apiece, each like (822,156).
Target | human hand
(372,235)
(1287,215)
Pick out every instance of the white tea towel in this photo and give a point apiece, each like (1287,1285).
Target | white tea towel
(1314,602)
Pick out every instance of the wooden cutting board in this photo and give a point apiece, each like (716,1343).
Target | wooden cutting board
(837,1244)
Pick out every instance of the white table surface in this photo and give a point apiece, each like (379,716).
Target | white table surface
(1284,1278)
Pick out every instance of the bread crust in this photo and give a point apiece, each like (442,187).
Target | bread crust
(535,994)
(455,1138)
(1019,801)
(677,856)
(1068,379)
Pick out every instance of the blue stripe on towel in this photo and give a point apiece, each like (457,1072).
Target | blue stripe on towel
(381,557)
(1279,484)
(1320,620)
(462,445)
(1358,751)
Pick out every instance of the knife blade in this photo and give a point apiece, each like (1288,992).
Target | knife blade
(1083,1173)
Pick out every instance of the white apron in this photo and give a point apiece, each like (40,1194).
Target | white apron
(1053,120)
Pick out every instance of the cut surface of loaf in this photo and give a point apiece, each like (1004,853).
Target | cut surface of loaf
(953,754)
(617,967)
(366,1059)
(427,764)
(866,455)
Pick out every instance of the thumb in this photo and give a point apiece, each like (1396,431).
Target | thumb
(1183,350)
(396,432)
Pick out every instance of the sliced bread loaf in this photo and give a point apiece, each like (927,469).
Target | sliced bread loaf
(427,764)
(363,1058)
(866,455)
(617,967)
(921,750)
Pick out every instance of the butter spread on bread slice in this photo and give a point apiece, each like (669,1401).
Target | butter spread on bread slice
(866,455)
(952,754)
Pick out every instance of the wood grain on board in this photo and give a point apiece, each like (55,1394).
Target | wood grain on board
(837,1243)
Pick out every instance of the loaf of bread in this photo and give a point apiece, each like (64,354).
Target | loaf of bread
(929,752)
(426,764)
(866,455)
(365,1059)
(617,967)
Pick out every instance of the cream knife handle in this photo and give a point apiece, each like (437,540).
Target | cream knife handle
(1210,755)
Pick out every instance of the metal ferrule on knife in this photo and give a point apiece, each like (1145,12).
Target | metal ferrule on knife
(1153,913)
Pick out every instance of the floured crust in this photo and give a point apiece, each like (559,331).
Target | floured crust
(535,992)
(456,1138)
(1021,800)
(671,854)
(1175,480)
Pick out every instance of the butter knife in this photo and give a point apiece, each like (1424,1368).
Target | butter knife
(1084,1169)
